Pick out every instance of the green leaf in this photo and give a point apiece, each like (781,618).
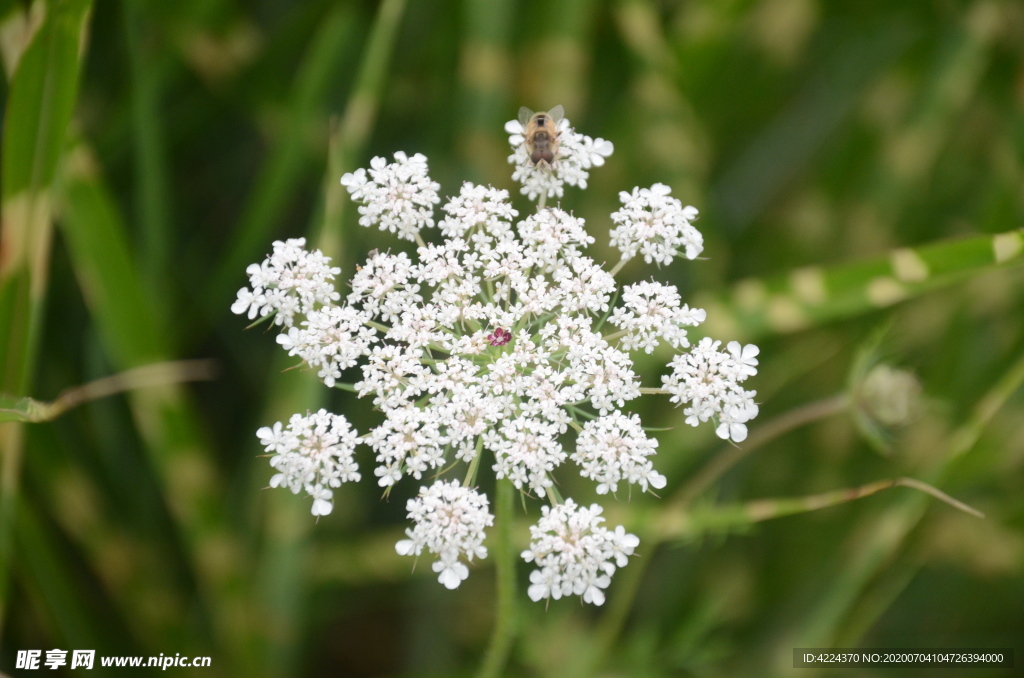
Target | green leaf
(813,296)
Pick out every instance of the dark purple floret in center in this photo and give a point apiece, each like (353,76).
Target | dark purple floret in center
(499,337)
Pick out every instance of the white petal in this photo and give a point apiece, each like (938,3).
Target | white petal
(722,431)
(450,580)
(322,507)
(594,595)
(537,592)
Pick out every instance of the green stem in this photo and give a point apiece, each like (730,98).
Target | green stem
(720,518)
(645,390)
(553,495)
(504,632)
(475,464)
(627,585)
(720,463)
(148,376)
(618,266)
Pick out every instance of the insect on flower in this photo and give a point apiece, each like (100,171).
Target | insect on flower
(542,134)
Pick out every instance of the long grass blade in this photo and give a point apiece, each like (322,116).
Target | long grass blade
(39,107)
(280,175)
(813,296)
(132,337)
(349,141)
(852,63)
(152,175)
(485,66)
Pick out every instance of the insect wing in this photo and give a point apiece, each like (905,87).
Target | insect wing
(556,114)
(524,116)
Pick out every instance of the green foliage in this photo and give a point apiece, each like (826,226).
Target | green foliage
(856,165)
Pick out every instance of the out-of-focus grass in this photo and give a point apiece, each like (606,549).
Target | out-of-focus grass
(43,72)
(856,165)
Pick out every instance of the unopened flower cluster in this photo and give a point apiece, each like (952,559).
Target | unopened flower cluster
(496,346)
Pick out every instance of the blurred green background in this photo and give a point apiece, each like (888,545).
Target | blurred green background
(851,160)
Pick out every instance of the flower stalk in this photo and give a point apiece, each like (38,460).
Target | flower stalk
(506,618)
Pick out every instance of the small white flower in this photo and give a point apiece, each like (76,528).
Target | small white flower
(577,153)
(615,448)
(709,380)
(656,225)
(290,281)
(745,357)
(398,197)
(574,553)
(584,286)
(448,521)
(314,453)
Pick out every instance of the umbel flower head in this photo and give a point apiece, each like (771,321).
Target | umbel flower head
(313,453)
(574,553)
(449,521)
(499,349)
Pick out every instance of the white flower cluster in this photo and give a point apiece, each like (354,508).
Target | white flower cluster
(498,347)
(710,380)
(574,554)
(656,225)
(314,453)
(615,448)
(652,311)
(290,281)
(449,521)
(398,197)
(577,153)
(332,338)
